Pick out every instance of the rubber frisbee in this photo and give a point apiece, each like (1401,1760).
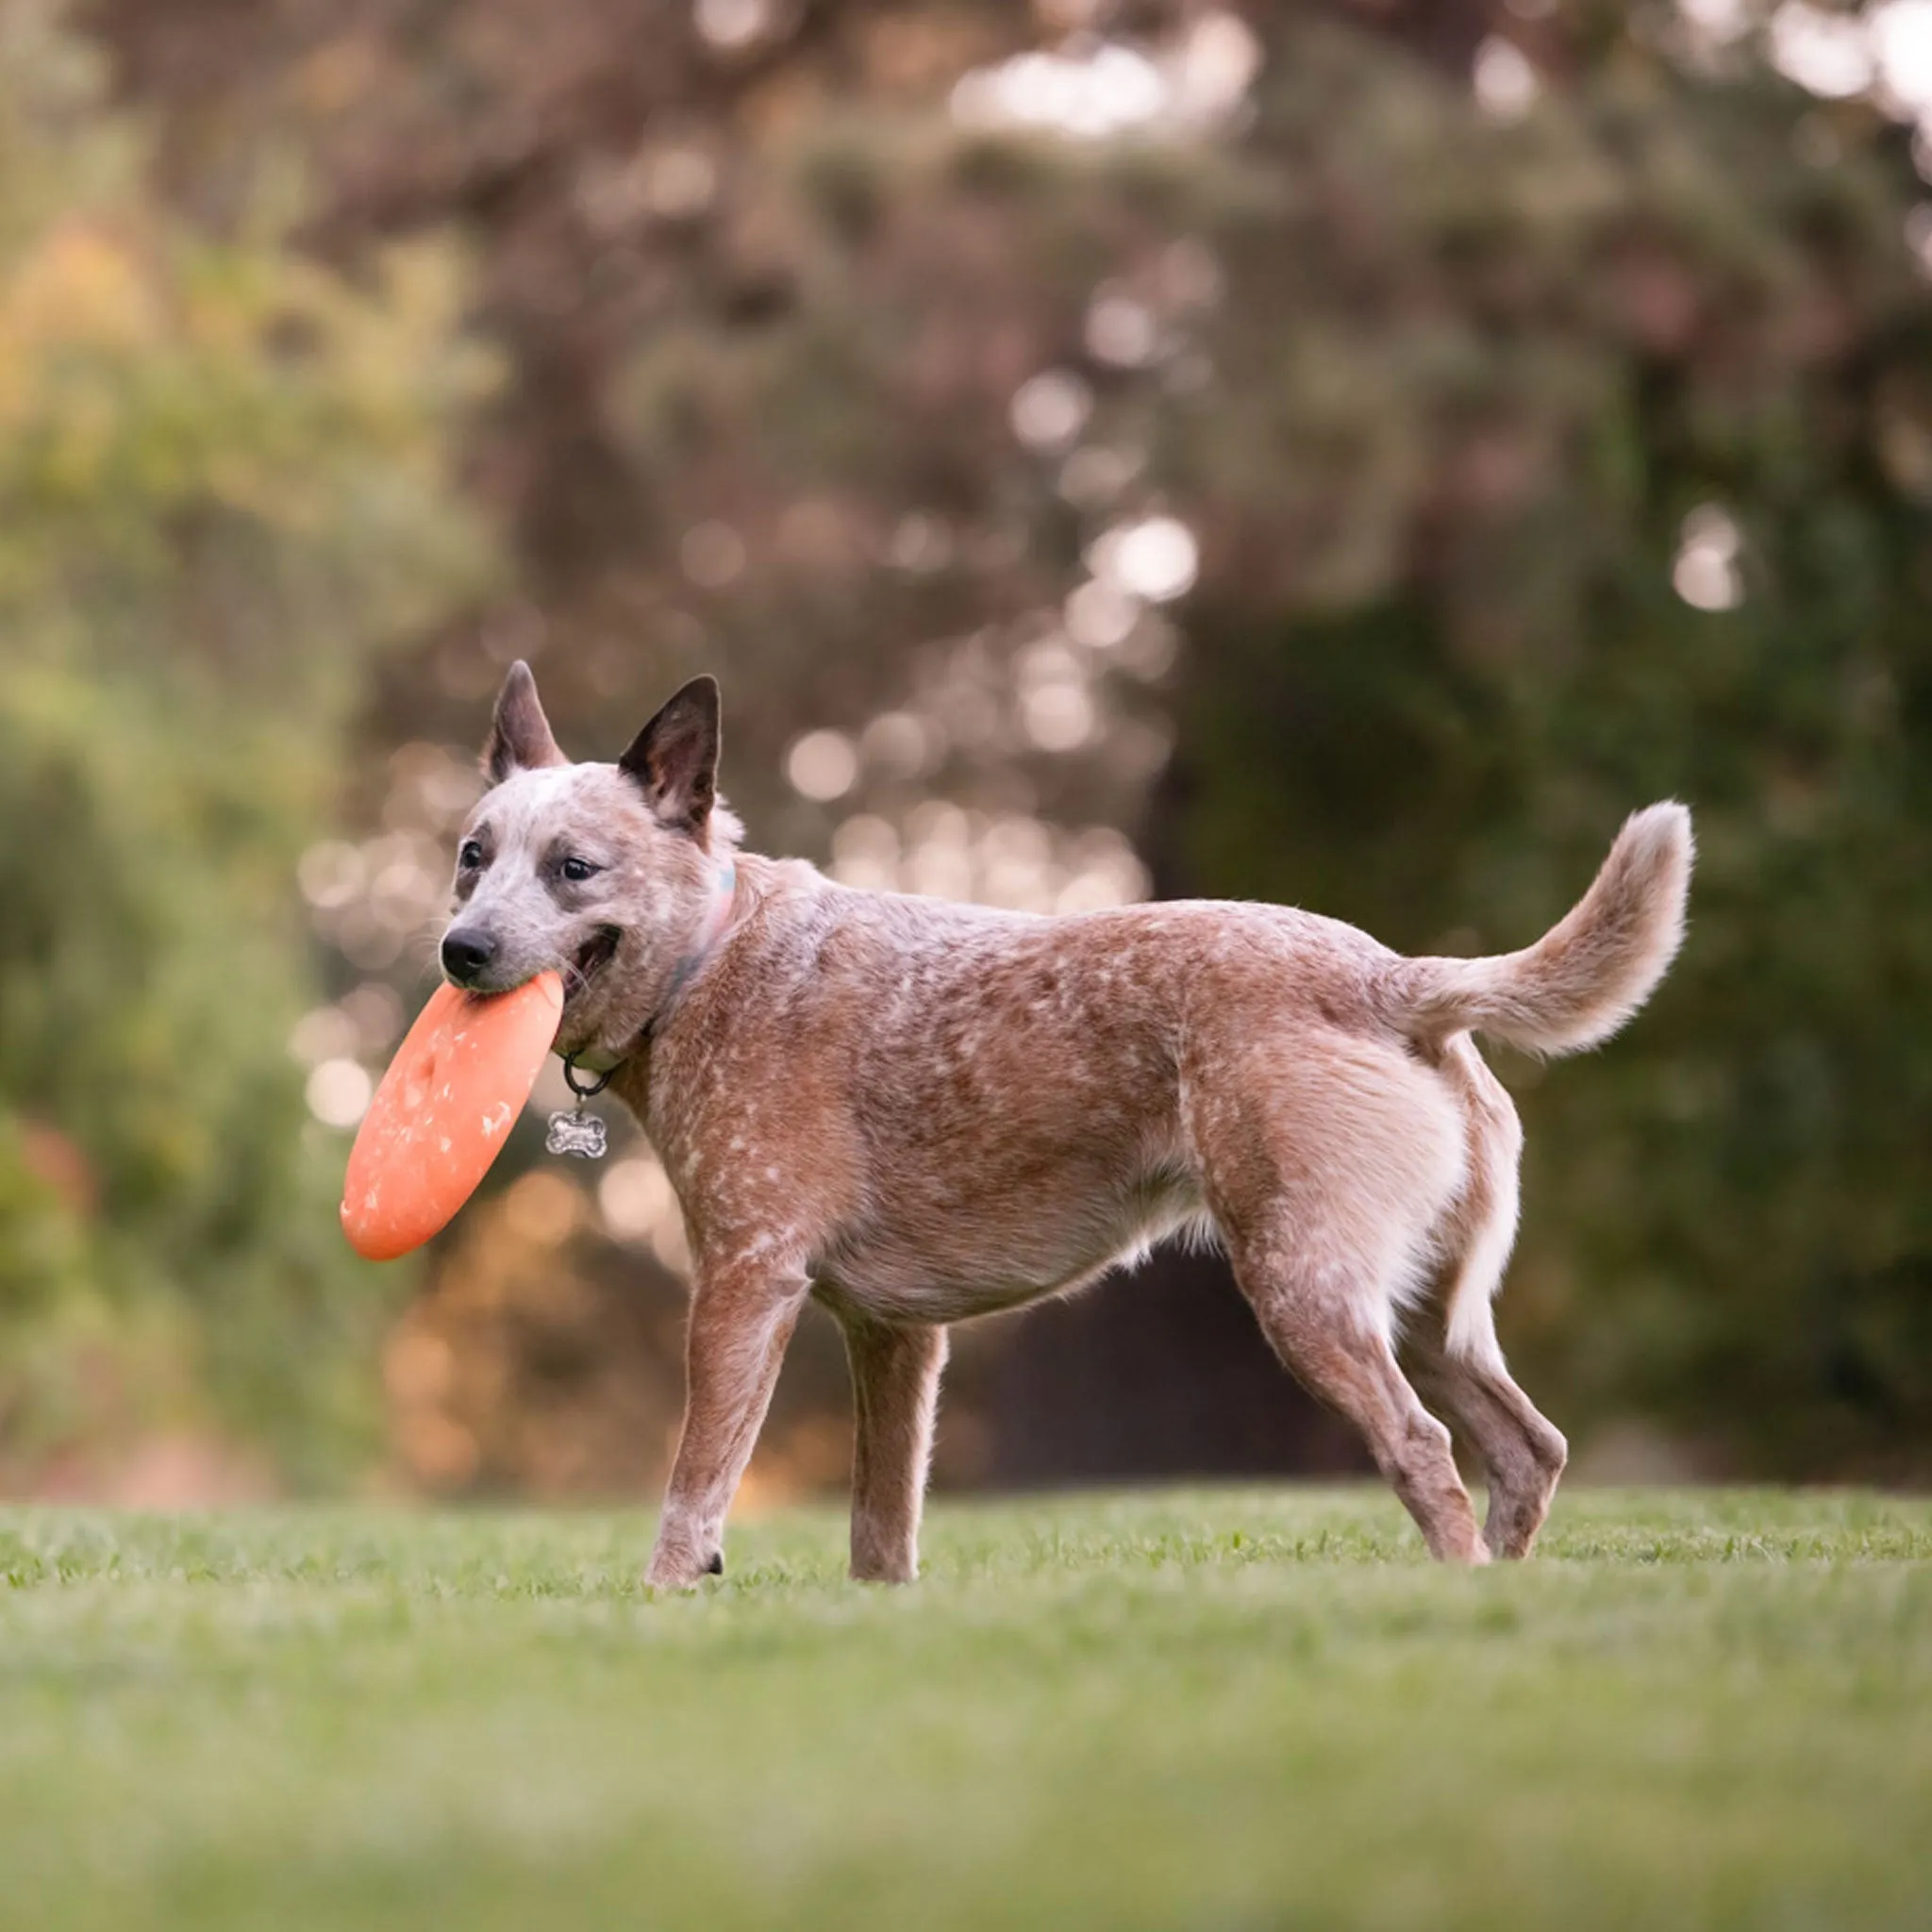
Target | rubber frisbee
(443,1112)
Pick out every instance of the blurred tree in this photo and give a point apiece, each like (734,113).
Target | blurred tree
(1359,448)
(222,488)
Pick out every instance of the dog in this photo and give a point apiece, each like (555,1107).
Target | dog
(917,1113)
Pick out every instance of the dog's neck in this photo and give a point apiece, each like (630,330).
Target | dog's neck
(689,962)
(717,917)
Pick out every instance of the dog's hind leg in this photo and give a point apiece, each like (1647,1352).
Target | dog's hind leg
(1309,1310)
(1451,1345)
(895,1387)
(1326,1172)
(1522,1452)
(740,1320)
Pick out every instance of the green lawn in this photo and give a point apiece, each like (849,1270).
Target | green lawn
(1222,1709)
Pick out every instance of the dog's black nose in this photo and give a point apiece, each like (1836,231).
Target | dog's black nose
(466,953)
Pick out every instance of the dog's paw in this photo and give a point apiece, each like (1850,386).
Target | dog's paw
(868,1570)
(679,1572)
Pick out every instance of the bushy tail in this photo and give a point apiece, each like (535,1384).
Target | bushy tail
(1588,973)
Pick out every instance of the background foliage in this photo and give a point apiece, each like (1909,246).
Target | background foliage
(1346,453)
(222,489)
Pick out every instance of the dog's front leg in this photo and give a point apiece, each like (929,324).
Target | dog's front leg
(741,1321)
(896,1389)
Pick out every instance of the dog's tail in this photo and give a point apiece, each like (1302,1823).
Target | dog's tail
(1588,973)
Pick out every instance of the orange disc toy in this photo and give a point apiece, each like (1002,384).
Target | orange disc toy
(444,1111)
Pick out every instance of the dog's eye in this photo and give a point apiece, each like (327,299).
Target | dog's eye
(470,856)
(578,870)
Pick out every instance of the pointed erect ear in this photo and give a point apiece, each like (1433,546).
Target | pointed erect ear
(674,758)
(520,739)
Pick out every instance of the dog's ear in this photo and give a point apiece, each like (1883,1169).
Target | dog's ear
(674,758)
(520,739)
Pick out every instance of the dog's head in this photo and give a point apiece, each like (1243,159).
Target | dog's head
(607,873)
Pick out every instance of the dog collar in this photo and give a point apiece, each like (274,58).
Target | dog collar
(717,917)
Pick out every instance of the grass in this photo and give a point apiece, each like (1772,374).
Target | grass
(1231,1708)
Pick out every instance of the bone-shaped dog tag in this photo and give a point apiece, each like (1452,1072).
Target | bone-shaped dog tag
(578,1133)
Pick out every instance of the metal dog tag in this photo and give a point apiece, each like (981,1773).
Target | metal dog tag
(578,1133)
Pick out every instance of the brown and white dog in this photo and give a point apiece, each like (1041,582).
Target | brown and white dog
(918,1112)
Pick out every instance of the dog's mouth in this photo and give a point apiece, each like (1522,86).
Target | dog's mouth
(591,959)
